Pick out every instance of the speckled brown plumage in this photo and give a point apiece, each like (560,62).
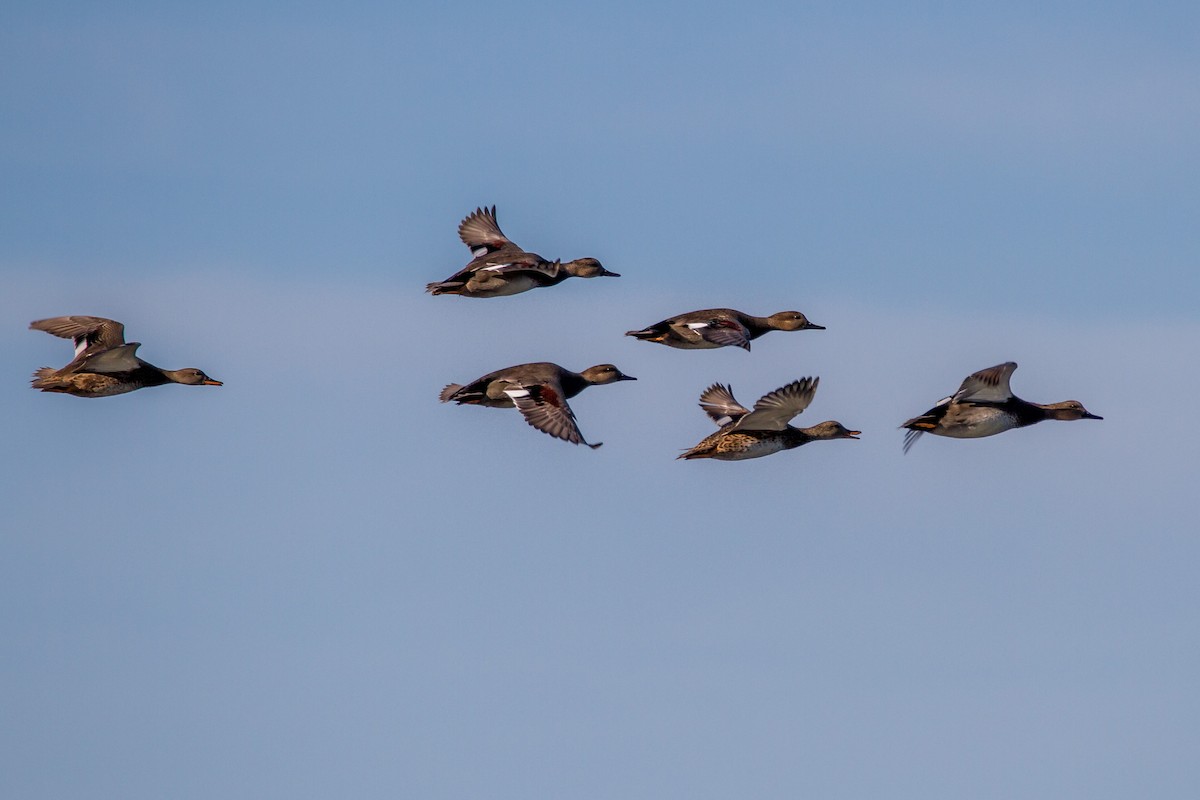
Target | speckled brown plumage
(747,433)
(104,365)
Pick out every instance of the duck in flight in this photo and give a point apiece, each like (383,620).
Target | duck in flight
(747,433)
(104,365)
(720,327)
(983,406)
(501,268)
(539,391)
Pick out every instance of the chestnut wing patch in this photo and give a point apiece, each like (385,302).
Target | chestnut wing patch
(544,407)
(726,333)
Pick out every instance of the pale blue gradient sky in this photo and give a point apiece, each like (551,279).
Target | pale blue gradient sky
(316,581)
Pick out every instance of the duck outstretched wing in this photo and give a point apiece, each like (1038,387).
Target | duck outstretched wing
(988,385)
(545,408)
(481,233)
(775,410)
(89,333)
(719,403)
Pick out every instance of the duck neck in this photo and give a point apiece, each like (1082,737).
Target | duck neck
(573,383)
(794,437)
(171,375)
(757,326)
(1028,413)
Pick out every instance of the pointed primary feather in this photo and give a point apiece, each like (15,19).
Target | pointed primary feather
(910,438)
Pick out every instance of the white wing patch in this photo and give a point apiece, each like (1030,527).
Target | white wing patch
(479,251)
(80,344)
(495,267)
(697,325)
(517,391)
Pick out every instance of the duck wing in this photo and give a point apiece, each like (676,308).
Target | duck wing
(775,410)
(987,386)
(507,262)
(911,436)
(545,408)
(721,332)
(114,360)
(481,233)
(719,403)
(89,333)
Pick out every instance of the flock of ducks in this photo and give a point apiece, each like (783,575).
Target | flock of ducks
(984,405)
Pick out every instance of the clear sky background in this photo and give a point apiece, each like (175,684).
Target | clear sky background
(317,581)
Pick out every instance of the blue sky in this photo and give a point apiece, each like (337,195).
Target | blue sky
(317,581)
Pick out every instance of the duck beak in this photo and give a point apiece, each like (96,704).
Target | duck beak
(210,382)
(627,378)
(812,326)
(1089,415)
(853,434)
(606,274)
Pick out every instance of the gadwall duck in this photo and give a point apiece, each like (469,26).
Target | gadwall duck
(765,430)
(104,364)
(539,391)
(983,406)
(502,268)
(720,327)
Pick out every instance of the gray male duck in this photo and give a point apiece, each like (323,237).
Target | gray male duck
(104,365)
(539,391)
(501,268)
(720,327)
(765,430)
(983,406)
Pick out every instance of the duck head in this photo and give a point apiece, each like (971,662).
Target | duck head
(792,321)
(588,268)
(605,373)
(1069,410)
(831,429)
(190,377)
